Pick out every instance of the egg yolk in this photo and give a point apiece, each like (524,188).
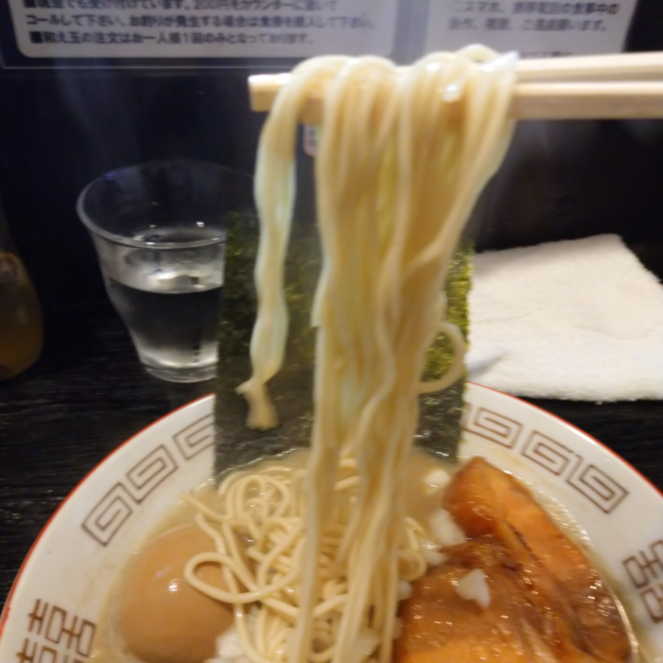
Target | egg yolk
(161,618)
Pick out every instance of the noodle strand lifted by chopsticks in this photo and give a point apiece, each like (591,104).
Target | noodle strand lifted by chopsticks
(403,155)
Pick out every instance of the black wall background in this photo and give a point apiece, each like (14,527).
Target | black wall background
(61,128)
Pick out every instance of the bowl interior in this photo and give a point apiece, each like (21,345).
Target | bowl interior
(58,597)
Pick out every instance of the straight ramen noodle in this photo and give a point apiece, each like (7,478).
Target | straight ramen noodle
(313,562)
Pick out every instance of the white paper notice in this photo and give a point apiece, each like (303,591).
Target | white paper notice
(533,28)
(202,28)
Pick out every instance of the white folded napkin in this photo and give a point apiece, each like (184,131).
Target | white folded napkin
(578,319)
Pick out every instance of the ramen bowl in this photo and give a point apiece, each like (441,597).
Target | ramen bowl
(58,597)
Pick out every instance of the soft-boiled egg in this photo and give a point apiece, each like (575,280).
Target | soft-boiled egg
(161,618)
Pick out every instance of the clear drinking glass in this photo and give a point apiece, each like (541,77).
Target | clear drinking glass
(158,229)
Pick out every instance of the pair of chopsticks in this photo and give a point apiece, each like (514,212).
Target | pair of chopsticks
(628,85)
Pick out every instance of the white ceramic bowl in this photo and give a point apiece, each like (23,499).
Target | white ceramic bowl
(51,613)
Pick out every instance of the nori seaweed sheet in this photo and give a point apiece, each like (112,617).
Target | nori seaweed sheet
(441,413)
(291,388)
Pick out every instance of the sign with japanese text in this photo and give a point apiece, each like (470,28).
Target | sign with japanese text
(201,28)
(533,28)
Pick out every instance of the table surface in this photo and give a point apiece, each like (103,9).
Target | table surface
(88,393)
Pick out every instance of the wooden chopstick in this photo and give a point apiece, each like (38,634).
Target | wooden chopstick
(611,67)
(576,101)
(582,87)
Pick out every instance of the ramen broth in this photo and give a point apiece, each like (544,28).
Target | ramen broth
(154,616)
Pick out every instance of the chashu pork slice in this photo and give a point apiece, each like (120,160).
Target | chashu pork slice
(547,601)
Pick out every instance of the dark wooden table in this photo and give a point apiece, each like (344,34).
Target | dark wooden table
(88,393)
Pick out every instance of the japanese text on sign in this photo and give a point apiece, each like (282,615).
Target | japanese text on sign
(202,28)
(534,28)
